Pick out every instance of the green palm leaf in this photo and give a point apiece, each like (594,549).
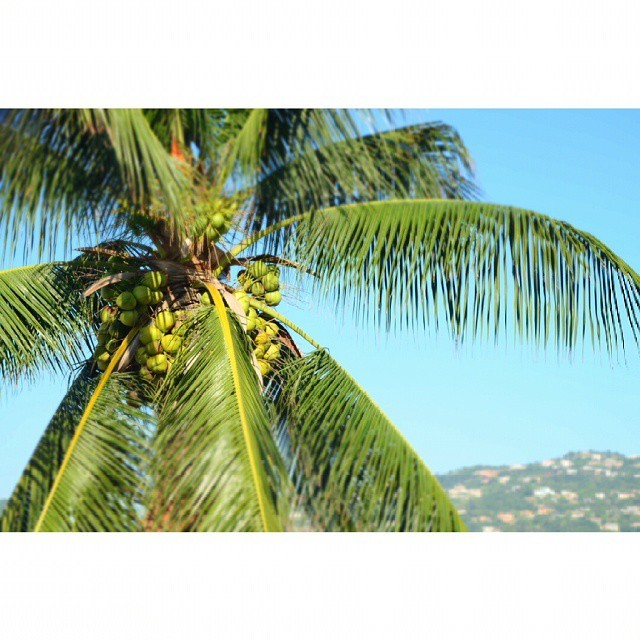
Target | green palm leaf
(484,267)
(44,321)
(216,466)
(353,469)
(265,140)
(25,505)
(57,181)
(146,165)
(420,161)
(86,473)
(63,173)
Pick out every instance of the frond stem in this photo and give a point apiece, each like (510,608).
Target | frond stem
(268,523)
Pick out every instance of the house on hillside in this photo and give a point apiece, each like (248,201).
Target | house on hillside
(487,474)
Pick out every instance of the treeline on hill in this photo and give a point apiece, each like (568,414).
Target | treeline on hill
(586,491)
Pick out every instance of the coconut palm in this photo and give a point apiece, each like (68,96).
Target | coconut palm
(192,405)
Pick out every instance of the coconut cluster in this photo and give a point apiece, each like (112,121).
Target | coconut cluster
(125,306)
(213,219)
(266,346)
(161,341)
(128,305)
(263,333)
(262,281)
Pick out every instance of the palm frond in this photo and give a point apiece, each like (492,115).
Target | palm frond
(187,126)
(44,321)
(146,165)
(63,173)
(216,466)
(247,147)
(419,161)
(353,470)
(485,267)
(57,180)
(25,505)
(99,487)
(267,139)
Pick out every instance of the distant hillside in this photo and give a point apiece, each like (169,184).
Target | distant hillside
(2,503)
(587,491)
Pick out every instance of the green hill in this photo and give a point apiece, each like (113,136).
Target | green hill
(586,491)
(2,503)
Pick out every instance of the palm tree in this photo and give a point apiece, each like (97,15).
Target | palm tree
(193,406)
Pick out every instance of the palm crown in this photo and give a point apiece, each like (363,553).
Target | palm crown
(197,409)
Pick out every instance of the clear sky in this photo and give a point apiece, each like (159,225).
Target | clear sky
(482,405)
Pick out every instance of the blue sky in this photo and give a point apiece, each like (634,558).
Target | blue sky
(482,405)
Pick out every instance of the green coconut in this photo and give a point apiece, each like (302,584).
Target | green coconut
(257,289)
(154,280)
(171,343)
(108,315)
(129,318)
(108,293)
(260,350)
(273,352)
(262,338)
(271,282)
(265,367)
(252,319)
(258,269)
(165,320)
(155,297)
(154,347)
(102,361)
(142,294)
(271,328)
(149,334)
(218,220)
(273,298)
(145,373)
(243,299)
(126,301)
(157,363)
(205,299)
(141,356)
